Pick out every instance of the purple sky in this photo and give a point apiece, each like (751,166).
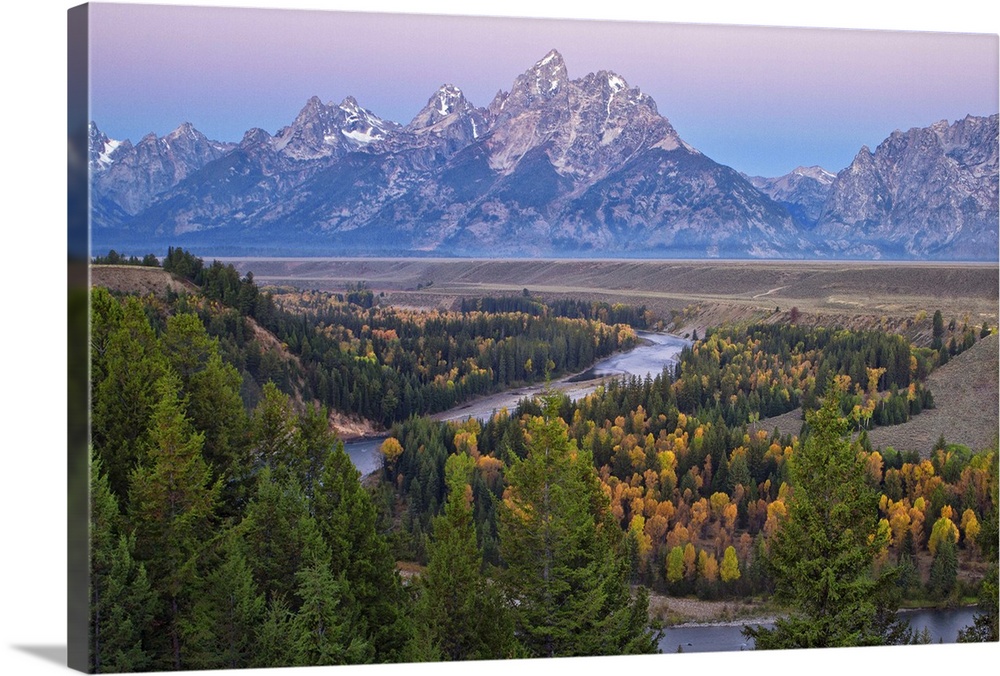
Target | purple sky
(762,100)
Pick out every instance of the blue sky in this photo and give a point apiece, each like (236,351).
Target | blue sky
(763,100)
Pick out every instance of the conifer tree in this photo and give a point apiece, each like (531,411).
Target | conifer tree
(323,631)
(228,611)
(459,614)
(317,440)
(944,570)
(937,331)
(279,537)
(124,396)
(273,647)
(347,517)
(172,509)
(274,437)
(121,600)
(823,555)
(566,575)
(214,405)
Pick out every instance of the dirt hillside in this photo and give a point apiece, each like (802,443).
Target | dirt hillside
(966,398)
(138,280)
(967,406)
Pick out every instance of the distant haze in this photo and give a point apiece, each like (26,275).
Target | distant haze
(762,100)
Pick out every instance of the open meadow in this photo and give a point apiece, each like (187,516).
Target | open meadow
(696,293)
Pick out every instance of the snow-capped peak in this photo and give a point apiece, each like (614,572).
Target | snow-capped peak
(448,98)
(816,173)
(361,125)
(104,159)
(549,73)
(447,105)
(616,83)
(552,56)
(102,148)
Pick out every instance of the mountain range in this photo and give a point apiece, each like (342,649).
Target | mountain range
(552,167)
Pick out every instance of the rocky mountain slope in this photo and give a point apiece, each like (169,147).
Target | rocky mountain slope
(803,192)
(552,167)
(924,193)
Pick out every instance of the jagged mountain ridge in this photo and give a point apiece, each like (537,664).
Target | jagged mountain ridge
(553,166)
(922,192)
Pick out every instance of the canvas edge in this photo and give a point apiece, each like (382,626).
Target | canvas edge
(78,324)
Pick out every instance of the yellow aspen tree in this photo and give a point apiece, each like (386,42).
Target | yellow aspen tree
(729,515)
(690,561)
(776,513)
(699,517)
(944,528)
(644,544)
(970,528)
(391,449)
(917,523)
(708,567)
(899,521)
(730,569)
(675,565)
(719,501)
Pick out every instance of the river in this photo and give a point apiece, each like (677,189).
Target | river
(654,352)
(943,625)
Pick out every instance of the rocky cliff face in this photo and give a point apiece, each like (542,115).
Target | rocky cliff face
(553,166)
(132,177)
(926,192)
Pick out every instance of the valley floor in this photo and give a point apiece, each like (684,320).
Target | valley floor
(697,294)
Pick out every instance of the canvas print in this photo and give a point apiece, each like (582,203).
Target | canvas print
(413,338)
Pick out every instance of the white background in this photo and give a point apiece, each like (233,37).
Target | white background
(32,321)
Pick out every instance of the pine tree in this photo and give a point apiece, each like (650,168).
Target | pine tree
(227,612)
(566,576)
(128,367)
(944,570)
(347,517)
(274,437)
(317,440)
(214,405)
(273,647)
(459,614)
(172,510)
(279,537)
(823,554)
(121,600)
(937,331)
(322,629)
